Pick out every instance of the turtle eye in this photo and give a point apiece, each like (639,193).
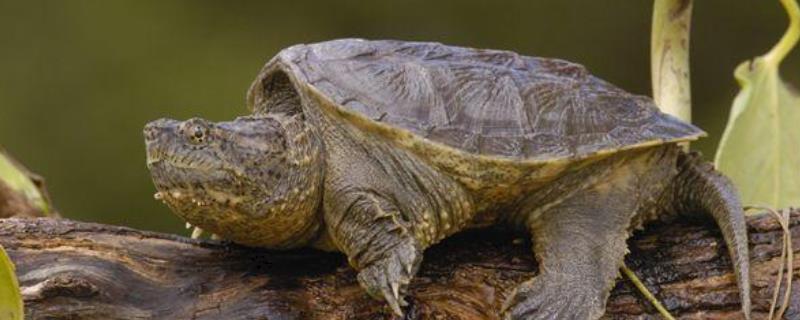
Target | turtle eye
(197,134)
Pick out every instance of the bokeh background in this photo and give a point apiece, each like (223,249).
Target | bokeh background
(79,79)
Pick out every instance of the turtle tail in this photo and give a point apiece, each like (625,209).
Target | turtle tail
(701,189)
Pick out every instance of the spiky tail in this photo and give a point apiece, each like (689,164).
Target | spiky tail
(701,189)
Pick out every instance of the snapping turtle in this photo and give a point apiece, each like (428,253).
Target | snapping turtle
(380,149)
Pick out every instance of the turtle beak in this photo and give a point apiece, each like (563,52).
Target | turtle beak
(158,135)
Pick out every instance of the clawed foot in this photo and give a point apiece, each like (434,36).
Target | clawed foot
(388,278)
(538,299)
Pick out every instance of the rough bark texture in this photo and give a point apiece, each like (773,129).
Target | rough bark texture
(73,270)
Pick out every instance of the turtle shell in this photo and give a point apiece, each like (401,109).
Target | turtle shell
(482,102)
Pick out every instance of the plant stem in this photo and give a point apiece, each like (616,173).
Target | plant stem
(649,296)
(669,57)
(790,38)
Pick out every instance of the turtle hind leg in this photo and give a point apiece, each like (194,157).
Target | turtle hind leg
(580,243)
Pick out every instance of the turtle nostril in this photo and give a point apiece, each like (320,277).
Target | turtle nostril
(155,129)
(150,133)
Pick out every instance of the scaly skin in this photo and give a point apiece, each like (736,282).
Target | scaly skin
(276,181)
(231,178)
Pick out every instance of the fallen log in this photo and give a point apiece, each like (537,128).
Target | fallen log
(75,270)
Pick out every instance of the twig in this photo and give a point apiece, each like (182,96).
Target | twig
(787,258)
(647,294)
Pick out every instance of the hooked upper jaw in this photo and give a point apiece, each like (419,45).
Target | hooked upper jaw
(193,168)
(158,135)
(168,139)
(233,177)
(180,160)
(186,169)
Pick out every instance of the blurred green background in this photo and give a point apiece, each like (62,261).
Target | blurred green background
(79,79)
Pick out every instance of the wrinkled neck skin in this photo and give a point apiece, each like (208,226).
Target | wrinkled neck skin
(257,181)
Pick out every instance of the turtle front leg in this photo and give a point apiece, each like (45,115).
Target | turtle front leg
(580,246)
(383,207)
(378,242)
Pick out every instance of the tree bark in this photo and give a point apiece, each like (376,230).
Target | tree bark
(75,270)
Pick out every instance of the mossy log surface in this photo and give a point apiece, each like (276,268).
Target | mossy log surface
(75,270)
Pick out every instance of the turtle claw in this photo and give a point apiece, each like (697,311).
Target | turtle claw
(395,290)
(383,281)
(197,233)
(538,300)
(388,278)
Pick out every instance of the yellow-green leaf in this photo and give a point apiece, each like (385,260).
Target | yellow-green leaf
(760,149)
(10,299)
(18,180)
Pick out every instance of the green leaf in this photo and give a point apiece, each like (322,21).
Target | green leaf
(18,180)
(10,299)
(760,148)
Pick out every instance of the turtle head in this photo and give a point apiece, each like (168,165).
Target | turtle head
(253,180)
